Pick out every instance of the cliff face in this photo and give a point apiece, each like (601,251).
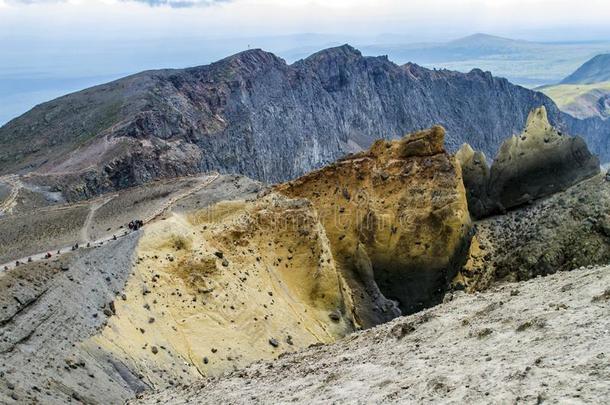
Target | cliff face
(253,114)
(397,220)
(595,131)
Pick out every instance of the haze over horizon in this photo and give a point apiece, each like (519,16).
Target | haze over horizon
(53,47)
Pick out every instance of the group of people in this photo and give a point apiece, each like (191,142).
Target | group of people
(133,225)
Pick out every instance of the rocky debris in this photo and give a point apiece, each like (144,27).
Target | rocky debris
(399,363)
(567,230)
(404,231)
(539,162)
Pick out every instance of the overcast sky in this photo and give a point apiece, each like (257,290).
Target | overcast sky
(432,19)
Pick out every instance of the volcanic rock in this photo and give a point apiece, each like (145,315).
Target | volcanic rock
(539,162)
(254,114)
(403,232)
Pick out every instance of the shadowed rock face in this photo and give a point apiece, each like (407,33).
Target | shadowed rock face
(397,220)
(539,162)
(253,114)
(475,173)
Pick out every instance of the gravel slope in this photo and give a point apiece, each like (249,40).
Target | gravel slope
(545,340)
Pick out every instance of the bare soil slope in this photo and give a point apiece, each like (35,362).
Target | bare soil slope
(545,340)
(216,289)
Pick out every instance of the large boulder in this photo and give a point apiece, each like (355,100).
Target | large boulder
(397,220)
(539,162)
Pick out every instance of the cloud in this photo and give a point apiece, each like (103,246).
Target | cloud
(152,3)
(179,3)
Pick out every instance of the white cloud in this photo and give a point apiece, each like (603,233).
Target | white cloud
(169,3)
(424,18)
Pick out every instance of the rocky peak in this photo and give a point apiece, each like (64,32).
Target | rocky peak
(423,143)
(539,135)
(475,173)
(538,162)
(414,69)
(397,220)
(538,125)
(340,54)
(252,60)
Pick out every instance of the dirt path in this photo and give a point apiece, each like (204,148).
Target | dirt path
(84,233)
(179,197)
(12,181)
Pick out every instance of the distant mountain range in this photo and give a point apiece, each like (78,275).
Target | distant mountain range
(254,114)
(596,70)
(526,63)
(586,92)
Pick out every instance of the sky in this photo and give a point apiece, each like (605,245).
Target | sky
(51,47)
(433,19)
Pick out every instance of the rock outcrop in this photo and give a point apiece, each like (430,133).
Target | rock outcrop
(538,162)
(203,290)
(397,219)
(253,114)
(475,173)
(565,231)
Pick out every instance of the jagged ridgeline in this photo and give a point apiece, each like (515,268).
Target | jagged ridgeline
(253,114)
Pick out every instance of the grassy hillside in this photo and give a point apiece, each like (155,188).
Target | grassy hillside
(581,100)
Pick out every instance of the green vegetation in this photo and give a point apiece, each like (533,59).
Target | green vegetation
(581,100)
(565,94)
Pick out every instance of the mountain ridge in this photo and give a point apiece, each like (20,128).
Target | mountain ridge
(254,114)
(595,70)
